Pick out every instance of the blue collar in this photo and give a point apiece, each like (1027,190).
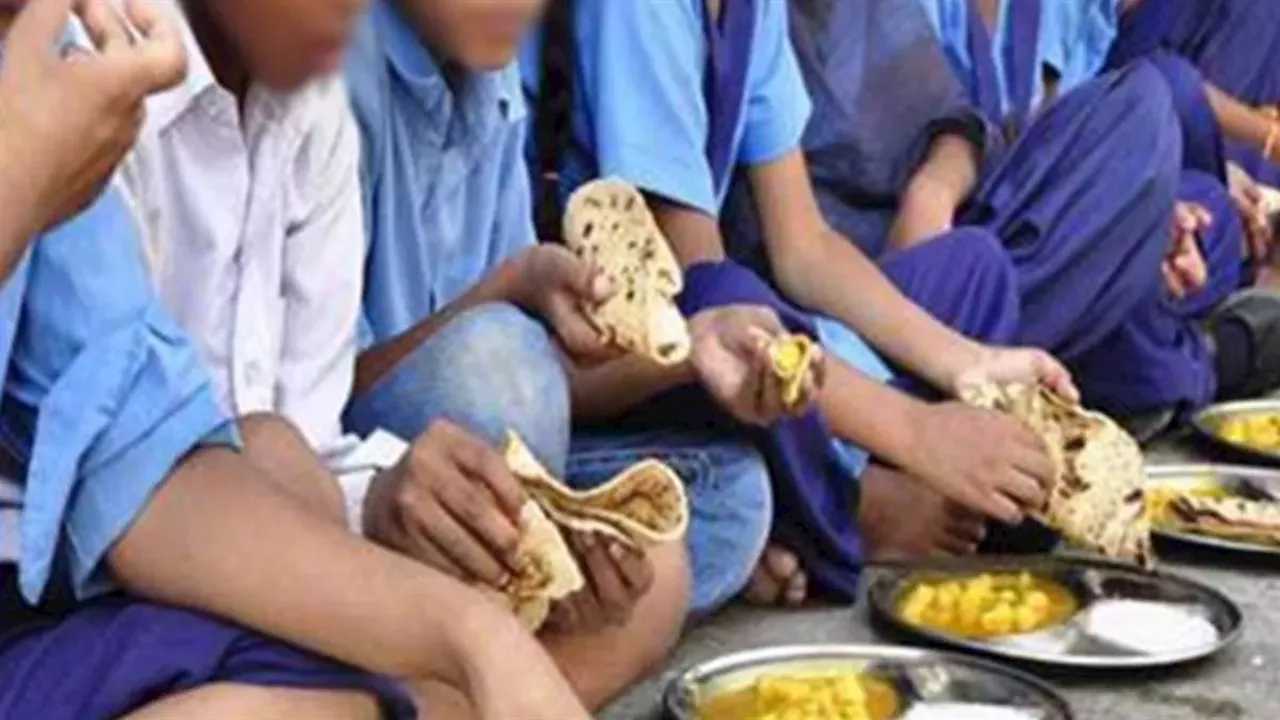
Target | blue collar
(482,99)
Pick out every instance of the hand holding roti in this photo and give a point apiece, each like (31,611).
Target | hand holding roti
(67,119)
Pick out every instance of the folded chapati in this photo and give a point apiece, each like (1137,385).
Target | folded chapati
(643,506)
(1098,499)
(1233,518)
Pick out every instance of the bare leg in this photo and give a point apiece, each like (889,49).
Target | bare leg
(247,702)
(937,527)
(219,538)
(601,665)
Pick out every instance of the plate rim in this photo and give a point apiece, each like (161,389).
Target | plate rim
(1197,423)
(1154,473)
(876,593)
(673,682)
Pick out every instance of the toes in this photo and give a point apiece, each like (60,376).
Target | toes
(797,590)
(782,564)
(763,589)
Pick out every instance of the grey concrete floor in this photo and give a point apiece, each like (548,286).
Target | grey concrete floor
(1243,683)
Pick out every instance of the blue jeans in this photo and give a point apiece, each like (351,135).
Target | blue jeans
(494,368)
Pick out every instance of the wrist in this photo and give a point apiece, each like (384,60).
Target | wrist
(966,356)
(512,286)
(19,183)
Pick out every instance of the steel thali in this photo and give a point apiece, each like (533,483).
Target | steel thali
(1122,617)
(928,685)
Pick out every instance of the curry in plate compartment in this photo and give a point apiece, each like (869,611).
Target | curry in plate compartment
(1259,431)
(793,695)
(989,605)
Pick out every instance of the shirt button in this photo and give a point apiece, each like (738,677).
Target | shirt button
(253,373)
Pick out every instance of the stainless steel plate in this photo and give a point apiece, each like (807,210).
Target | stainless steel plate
(1245,482)
(924,680)
(1126,618)
(1206,423)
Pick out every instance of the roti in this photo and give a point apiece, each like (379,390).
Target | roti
(608,223)
(643,506)
(1098,501)
(792,358)
(1232,518)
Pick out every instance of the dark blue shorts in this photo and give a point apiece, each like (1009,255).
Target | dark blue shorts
(117,655)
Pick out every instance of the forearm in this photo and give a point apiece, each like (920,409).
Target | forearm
(949,173)
(1238,121)
(870,414)
(605,391)
(835,278)
(19,218)
(218,538)
(377,361)
(935,192)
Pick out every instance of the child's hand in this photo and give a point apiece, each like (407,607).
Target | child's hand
(731,357)
(67,121)
(1247,198)
(451,503)
(1185,270)
(1029,366)
(557,286)
(986,461)
(617,577)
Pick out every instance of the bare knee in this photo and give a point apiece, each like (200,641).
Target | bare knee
(220,701)
(602,665)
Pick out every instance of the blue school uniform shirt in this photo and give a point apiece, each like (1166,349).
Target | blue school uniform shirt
(104,395)
(640,112)
(1075,37)
(446,190)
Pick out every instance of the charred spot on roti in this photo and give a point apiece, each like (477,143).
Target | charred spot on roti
(628,249)
(1098,499)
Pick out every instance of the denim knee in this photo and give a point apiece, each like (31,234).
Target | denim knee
(490,370)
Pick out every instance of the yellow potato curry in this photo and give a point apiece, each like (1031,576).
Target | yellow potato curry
(989,605)
(1259,431)
(834,696)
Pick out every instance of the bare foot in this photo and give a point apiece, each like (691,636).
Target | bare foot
(778,580)
(901,518)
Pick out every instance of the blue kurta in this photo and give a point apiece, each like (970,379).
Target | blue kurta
(1234,43)
(1083,238)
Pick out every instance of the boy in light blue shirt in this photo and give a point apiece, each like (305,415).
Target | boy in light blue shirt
(130,494)
(675,97)
(466,318)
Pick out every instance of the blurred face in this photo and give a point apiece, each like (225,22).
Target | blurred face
(285,43)
(478,35)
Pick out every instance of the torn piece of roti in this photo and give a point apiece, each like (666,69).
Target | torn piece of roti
(1097,501)
(608,223)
